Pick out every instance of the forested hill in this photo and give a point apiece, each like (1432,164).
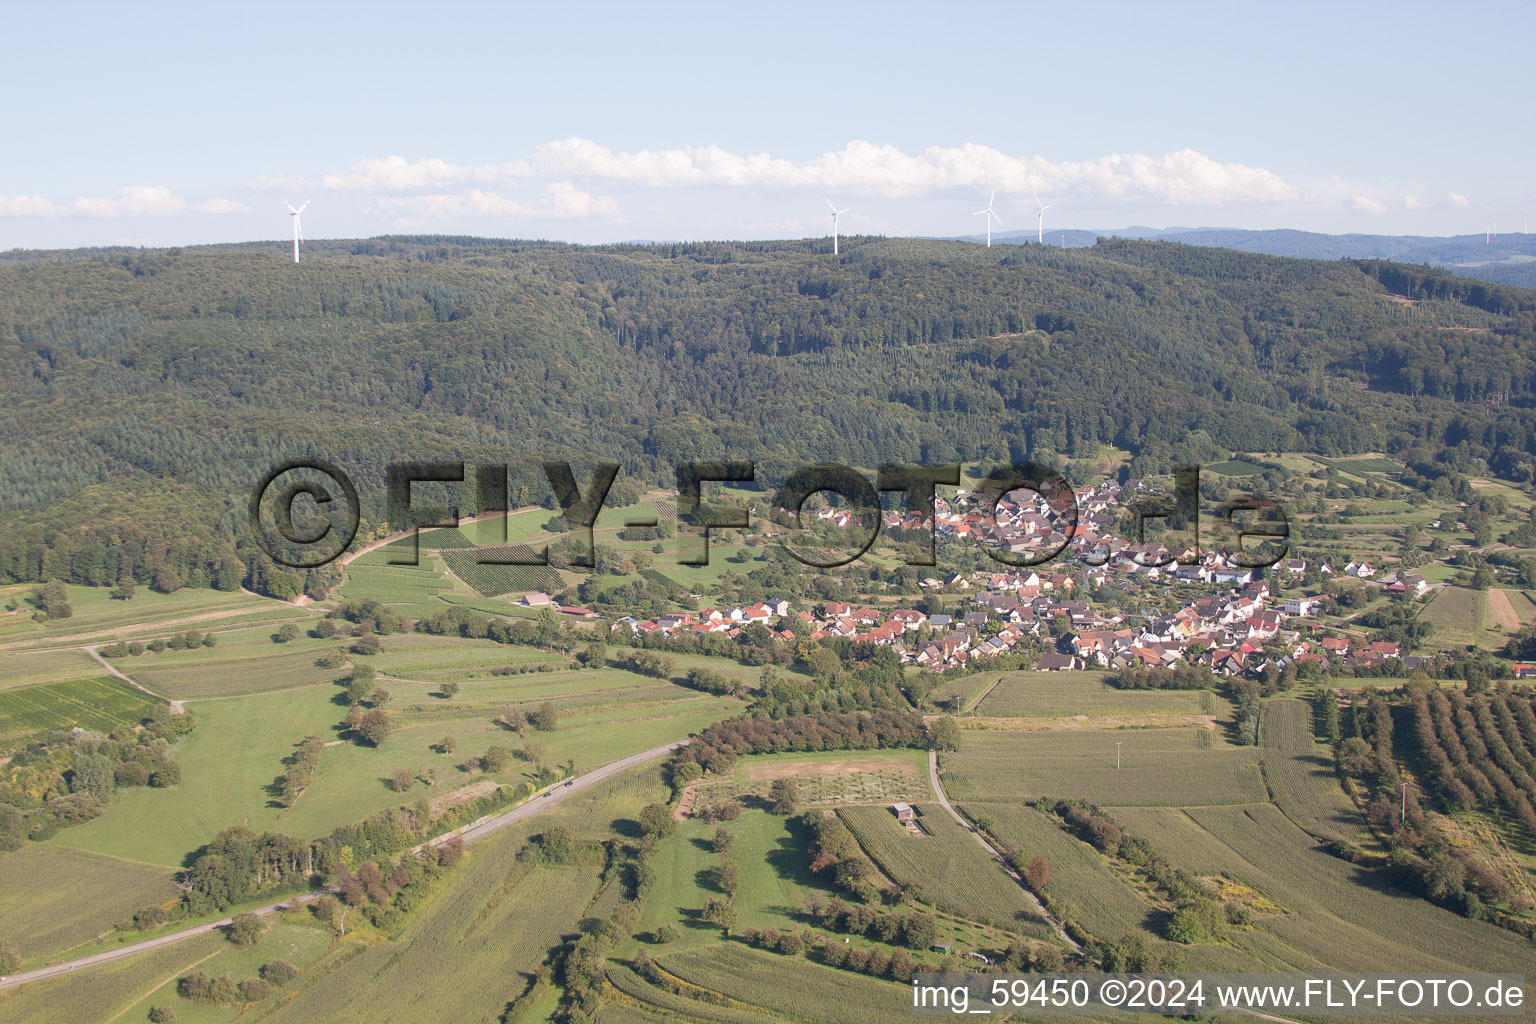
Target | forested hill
(143,392)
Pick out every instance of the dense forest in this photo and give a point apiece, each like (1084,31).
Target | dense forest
(144,392)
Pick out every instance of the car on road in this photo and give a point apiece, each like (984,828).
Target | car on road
(568,782)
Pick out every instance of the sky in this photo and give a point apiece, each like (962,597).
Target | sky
(163,124)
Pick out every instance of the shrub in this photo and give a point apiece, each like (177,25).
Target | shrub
(277,972)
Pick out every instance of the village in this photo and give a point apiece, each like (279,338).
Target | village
(1209,611)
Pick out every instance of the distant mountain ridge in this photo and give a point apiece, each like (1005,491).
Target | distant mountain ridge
(1505,258)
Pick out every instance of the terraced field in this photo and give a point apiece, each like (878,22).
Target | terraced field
(791,986)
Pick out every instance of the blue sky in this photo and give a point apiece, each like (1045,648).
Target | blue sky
(162,124)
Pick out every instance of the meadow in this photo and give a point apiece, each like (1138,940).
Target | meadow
(790,986)
(100,618)
(1159,767)
(1458,615)
(951,867)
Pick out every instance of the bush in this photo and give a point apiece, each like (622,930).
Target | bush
(246,929)
(162,1014)
(254,990)
(277,972)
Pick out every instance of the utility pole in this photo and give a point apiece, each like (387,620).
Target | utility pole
(1402,815)
(1117,757)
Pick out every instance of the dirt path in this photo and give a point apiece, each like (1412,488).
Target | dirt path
(938,792)
(973,705)
(176,705)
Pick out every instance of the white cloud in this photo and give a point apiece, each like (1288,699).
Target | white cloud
(28,206)
(1457,199)
(217,205)
(1415,203)
(864,168)
(1364,204)
(560,201)
(396,174)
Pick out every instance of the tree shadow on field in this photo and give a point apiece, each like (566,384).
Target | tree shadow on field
(695,919)
(274,791)
(708,879)
(627,827)
(707,845)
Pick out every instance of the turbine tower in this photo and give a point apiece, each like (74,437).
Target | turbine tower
(1040,222)
(298,232)
(836,213)
(991,216)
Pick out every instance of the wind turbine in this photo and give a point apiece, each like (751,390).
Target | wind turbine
(836,213)
(991,216)
(1040,223)
(298,232)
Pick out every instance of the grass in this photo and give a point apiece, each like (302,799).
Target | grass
(99,616)
(827,778)
(245,661)
(1063,694)
(27,667)
(1301,777)
(1160,767)
(102,703)
(53,897)
(953,870)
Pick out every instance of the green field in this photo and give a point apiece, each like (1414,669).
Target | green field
(102,703)
(1100,900)
(100,617)
(1063,694)
(1336,917)
(22,668)
(1160,767)
(1301,776)
(53,897)
(1458,615)
(950,866)
(794,987)
(244,661)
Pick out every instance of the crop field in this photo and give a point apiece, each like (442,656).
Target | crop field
(1159,767)
(434,659)
(23,668)
(53,897)
(493,579)
(792,986)
(952,868)
(633,1000)
(108,992)
(1337,917)
(1234,467)
(408,591)
(1458,615)
(244,661)
(98,617)
(1508,610)
(1064,694)
(102,703)
(1301,777)
(1103,903)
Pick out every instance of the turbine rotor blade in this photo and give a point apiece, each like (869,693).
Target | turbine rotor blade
(830,205)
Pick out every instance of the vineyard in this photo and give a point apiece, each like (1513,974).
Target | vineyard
(494,580)
(790,986)
(1301,775)
(948,866)
(99,703)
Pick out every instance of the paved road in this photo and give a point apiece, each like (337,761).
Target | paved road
(938,791)
(471,834)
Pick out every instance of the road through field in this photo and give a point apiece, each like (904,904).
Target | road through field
(938,791)
(470,834)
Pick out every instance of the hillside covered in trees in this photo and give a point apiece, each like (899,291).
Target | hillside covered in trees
(144,392)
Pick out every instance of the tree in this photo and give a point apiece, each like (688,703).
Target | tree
(125,589)
(286,633)
(246,929)
(278,972)
(729,876)
(13,829)
(402,780)
(544,718)
(324,629)
(1038,873)
(722,840)
(374,727)
(720,912)
(166,775)
(556,845)
(946,734)
(783,795)
(448,690)
(656,820)
(162,1014)
(447,745)
(919,931)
